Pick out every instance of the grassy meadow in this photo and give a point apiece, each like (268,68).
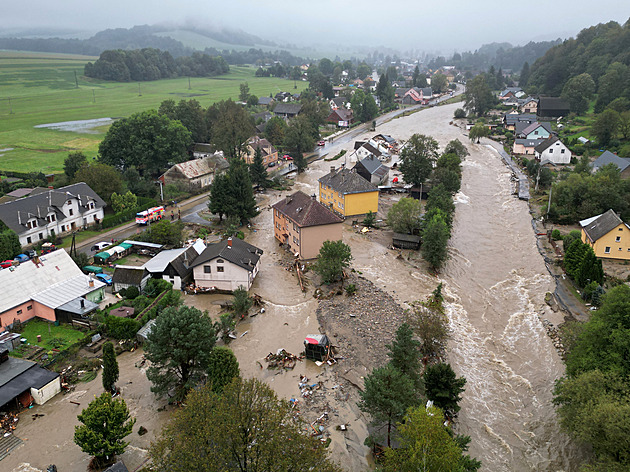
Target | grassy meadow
(40,88)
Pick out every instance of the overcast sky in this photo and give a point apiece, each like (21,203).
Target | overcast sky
(405,24)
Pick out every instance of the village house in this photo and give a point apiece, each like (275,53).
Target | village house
(36,217)
(303,224)
(372,170)
(287,110)
(44,287)
(265,101)
(533,131)
(525,147)
(347,193)
(509,92)
(608,235)
(510,120)
(341,117)
(175,265)
(551,108)
(227,265)
(268,153)
(25,382)
(528,105)
(339,102)
(196,173)
(607,157)
(553,150)
(129,276)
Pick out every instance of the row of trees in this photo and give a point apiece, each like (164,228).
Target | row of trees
(153,64)
(593,398)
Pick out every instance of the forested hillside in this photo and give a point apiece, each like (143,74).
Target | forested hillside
(601,51)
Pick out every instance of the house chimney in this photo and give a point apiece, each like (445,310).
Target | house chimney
(229,242)
(289,199)
(314,197)
(332,169)
(82,303)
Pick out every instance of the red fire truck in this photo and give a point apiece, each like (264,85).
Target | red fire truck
(152,214)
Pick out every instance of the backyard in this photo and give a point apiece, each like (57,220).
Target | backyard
(40,88)
(53,337)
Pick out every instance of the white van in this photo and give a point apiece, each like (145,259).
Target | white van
(100,246)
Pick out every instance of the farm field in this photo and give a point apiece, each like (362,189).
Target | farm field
(40,88)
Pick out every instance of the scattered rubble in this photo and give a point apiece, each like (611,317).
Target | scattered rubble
(552,332)
(282,360)
(8,423)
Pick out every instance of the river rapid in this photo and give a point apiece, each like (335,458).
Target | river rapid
(494,284)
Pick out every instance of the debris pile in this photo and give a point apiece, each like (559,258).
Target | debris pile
(282,360)
(8,423)
(306,389)
(552,332)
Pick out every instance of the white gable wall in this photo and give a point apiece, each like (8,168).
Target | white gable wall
(557,153)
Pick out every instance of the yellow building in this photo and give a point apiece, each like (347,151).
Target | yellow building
(608,235)
(347,193)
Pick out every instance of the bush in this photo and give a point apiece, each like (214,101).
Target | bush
(460,113)
(132,293)
(121,328)
(351,289)
(555,235)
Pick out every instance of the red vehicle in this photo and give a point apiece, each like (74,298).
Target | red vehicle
(152,214)
(5,264)
(321,143)
(48,247)
(287,157)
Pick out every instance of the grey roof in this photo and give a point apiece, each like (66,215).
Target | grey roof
(509,89)
(74,306)
(265,100)
(552,103)
(306,211)
(143,244)
(19,375)
(143,333)
(15,214)
(66,291)
(340,101)
(601,225)
(241,253)
(20,192)
(608,157)
(347,181)
(533,126)
(387,138)
(128,275)
(540,148)
(374,166)
(287,108)
(159,263)
(526,142)
(512,118)
(117,467)
(265,116)
(407,237)
(374,151)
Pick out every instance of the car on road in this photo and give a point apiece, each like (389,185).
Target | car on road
(287,157)
(321,143)
(31,253)
(5,264)
(21,258)
(272,164)
(100,246)
(104,278)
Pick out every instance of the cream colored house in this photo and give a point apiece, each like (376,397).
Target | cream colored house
(227,265)
(608,235)
(303,224)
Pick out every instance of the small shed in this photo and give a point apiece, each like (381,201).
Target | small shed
(9,341)
(143,334)
(317,347)
(406,241)
(102,258)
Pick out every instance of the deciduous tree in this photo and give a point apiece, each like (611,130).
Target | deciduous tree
(9,243)
(404,216)
(417,158)
(231,127)
(333,257)
(477,132)
(179,348)
(605,126)
(72,163)
(126,201)
(299,139)
(478,96)
(578,91)
(106,422)
(435,240)
(439,83)
(102,178)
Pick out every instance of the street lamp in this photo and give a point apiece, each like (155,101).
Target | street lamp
(542,163)
(161,190)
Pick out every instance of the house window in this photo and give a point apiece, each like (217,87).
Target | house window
(550,151)
(219,269)
(220,261)
(19,312)
(41,236)
(29,308)
(32,224)
(51,218)
(91,205)
(207,269)
(607,250)
(63,228)
(28,240)
(617,239)
(70,212)
(562,151)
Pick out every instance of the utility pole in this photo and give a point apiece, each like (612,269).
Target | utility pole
(139,92)
(10,107)
(93,96)
(188,83)
(549,204)
(76,81)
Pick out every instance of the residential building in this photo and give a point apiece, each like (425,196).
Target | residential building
(130,276)
(268,153)
(303,224)
(341,117)
(265,101)
(372,170)
(287,110)
(607,157)
(552,107)
(553,150)
(526,147)
(196,173)
(510,120)
(529,105)
(202,150)
(509,92)
(227,265)
(339,102)
(347,193)
(36,217)
(25,382)
(174,265)
(42,287)
(608,235)
(533,131)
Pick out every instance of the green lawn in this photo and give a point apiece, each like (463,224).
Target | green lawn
(40,88)
(35,327)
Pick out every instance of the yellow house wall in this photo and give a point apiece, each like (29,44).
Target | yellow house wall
(361,203)
(618,249)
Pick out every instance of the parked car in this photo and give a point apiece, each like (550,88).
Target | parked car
(287,157)
(5,264)
(100,246)
(321,143)
(271,164)
(48,247)
(31,253)
(21,258)
(104,278)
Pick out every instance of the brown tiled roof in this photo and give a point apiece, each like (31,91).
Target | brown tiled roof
(306,211)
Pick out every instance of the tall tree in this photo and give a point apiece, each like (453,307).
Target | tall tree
(299,139)
(439,83)
(435,241)
(219,196)
(179,348)
(102,178)
(578,91)
(73,163)
(478,95)
(223,368)
(480,130)
(404,216)
(333,257)
(110,367)
(243,92)
(147,140)
(524,76)
(443,387)
(385,92)
(275,130)
(404,355)
(106,422)
(231,127)
(245,428)
(417,158)
(257,170)
(240,196)
(605,126)
(455,146)
(190,114)
(386,396)
(9,243)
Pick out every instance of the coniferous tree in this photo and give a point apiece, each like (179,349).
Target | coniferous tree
(404,355)
(110,367)
(257,170)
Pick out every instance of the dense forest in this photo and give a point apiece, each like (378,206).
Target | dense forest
(153,64)
(500,55)
(601,51)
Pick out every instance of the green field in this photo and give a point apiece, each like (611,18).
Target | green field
(48,331)
(40,88)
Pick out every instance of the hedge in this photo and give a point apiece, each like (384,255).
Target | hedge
(128,215)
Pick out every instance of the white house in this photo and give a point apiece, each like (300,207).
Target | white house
(553,150)
(227,265)
(37,216)
(174,265)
